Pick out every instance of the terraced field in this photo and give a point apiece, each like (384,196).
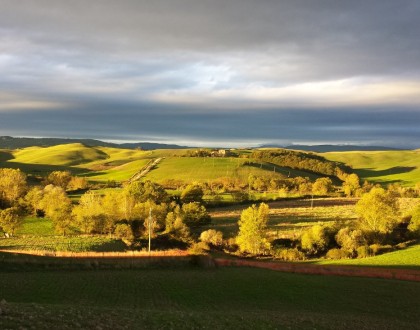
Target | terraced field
(382,166)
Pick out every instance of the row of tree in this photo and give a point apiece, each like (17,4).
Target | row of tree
(126,212)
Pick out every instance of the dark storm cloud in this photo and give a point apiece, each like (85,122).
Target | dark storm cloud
(211,70)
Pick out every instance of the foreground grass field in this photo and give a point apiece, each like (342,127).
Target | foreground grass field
(382,166)
(225,298)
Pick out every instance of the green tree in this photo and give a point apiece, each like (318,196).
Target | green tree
(414,225)
(144,191)
(12,186)
(59,179)
(57,206)
(194,214)
(315,240)
(176,228)
(351,185)
(212,237)
(322,186)
(252,225)
(192,193)
(377,211)
(10,220)
(89,213)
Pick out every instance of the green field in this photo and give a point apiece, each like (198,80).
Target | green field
(202,169)
(409,257)
(101,164)
(224,298)
(288,219)
(382,166)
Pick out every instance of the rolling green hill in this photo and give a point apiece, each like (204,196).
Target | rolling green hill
(382,166)
(65,155)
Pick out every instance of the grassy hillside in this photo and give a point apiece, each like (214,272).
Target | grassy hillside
(382,166)
(409,257)
(224,298)
(65,155)
(202,169)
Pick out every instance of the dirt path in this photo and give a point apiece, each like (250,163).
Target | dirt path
(358,271)
(146,169)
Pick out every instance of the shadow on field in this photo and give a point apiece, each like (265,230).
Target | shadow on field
(40,169)
(369,172)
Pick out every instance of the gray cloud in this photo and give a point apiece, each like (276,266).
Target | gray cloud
(209,70)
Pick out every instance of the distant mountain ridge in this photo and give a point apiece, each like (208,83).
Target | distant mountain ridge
(9,142)
(331,147)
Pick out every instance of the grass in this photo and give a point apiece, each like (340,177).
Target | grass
(382,166)
(63,243)
(409,257)
(64,155)
(288,219)
(34,226)
(196,298)
(203,169)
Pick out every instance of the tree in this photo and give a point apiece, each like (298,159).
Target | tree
(89,213)
(193,214)
(57,206)
(377,211)
(12,186)
(10,220)
(212,237)
(252,224)
(414,225)
(322,186)
(59,179)
(192,193)
(176,227)
(144,191)
(315,240)
(351,185)
(350,240)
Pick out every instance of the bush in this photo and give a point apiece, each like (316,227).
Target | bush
(379,249)
(315,240)
(212,237)
(289,254)
(363,251)
(199,248)
(338,254)
(124,232)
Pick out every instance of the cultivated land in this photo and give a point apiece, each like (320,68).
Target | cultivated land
(382,166)
(234,298)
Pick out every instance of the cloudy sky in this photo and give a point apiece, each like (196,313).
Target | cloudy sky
(212,72)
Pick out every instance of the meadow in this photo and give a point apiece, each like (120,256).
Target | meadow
(382,166)
(235,298)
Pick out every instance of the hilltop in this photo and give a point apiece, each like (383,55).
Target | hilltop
(8,142)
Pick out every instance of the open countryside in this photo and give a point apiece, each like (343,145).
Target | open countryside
(204,203)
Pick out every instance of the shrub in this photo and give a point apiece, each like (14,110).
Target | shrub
(315,240)
(338,254)
(212,237)
(124,232)
(363,251)
(289,254)
(199,248)
(350,240)
(379,249)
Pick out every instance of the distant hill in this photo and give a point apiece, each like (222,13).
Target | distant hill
(331,147)
(8,142)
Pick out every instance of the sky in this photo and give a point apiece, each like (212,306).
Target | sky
(212,72)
